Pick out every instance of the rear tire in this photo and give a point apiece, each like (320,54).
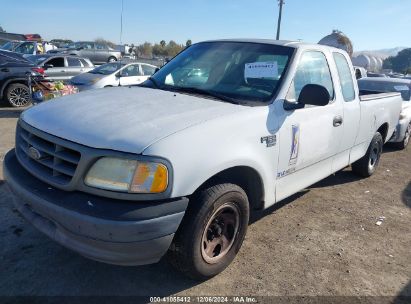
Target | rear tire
(367,165)
(404,143)
(112,59)
(18,95)
(212,232)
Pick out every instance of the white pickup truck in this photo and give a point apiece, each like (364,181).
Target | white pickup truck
(175,165)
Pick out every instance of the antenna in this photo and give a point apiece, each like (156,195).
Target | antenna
(280,4)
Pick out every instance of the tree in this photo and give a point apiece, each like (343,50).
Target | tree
(163,43)
(145,50)
(104,41)
(189,42)
(400,63)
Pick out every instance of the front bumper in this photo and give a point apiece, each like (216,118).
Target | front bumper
(108,230)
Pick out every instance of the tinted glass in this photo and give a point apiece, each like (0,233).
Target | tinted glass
(312,69)
(25,48)
(107,68)
(101,46)
(344,73)
(57,62)
(73,62)
(241,71)
(148,70)
(131,70)
(85,63)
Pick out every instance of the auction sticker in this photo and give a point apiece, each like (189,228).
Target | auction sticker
(261,70)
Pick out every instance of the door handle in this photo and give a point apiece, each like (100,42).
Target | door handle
(63,71)
(337,121)
(5,70)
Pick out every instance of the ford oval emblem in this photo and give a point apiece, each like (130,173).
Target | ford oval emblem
(34,153)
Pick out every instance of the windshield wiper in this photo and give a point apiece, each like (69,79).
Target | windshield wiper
(205,92)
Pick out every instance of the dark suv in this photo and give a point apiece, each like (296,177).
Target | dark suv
(14,71)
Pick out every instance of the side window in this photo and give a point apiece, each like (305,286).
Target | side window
(131,70)
(312,69)
(57,62)
(85,63)
(344,73)
(73,62)
(101,46)
(148,70)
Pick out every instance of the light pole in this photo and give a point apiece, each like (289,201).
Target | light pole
(280,4)
(121,23)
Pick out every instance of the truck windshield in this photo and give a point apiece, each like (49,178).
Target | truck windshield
(237,71)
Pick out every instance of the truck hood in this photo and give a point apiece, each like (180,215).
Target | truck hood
(127,119)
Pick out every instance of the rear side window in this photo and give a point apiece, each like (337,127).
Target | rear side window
(73,62)
(344,73)
(85,63)
(312,69)
(148,70)
(57,62)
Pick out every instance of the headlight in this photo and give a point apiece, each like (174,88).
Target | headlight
(126,175)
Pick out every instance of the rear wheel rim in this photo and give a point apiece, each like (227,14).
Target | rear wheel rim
(111,59)
(19,97)
(220,233)
(375,154)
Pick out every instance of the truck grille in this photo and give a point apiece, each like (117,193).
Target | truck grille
(46,159)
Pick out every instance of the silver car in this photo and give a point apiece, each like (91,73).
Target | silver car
(98,53)
(62,67)
(114,74)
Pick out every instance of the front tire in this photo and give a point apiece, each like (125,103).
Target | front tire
(212,231)
(367,165)
(18,95)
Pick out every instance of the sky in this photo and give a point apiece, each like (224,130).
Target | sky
(370,24)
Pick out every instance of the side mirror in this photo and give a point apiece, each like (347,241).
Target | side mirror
(156,70)
(314,94)
(48,66)
(118,75)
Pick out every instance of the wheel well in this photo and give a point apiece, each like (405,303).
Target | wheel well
(6,85)
(245,177)
(383,130)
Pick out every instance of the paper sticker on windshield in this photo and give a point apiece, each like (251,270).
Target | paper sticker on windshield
(261,70)
(401,88)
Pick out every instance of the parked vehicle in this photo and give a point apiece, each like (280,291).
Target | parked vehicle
(29,48)
(401,136)
(98,53)
(114,74)
(10,45)
(62,67)
(360,72)
(175,165)
(13,78)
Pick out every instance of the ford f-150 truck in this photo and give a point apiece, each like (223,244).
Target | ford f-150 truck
(174,166)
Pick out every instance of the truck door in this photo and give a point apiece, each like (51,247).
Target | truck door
(352,113)
(309,137)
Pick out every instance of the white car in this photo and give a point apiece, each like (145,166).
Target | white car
(176,166)
(114,74)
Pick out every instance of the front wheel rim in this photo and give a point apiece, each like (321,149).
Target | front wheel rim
(19,97)
(220,233)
